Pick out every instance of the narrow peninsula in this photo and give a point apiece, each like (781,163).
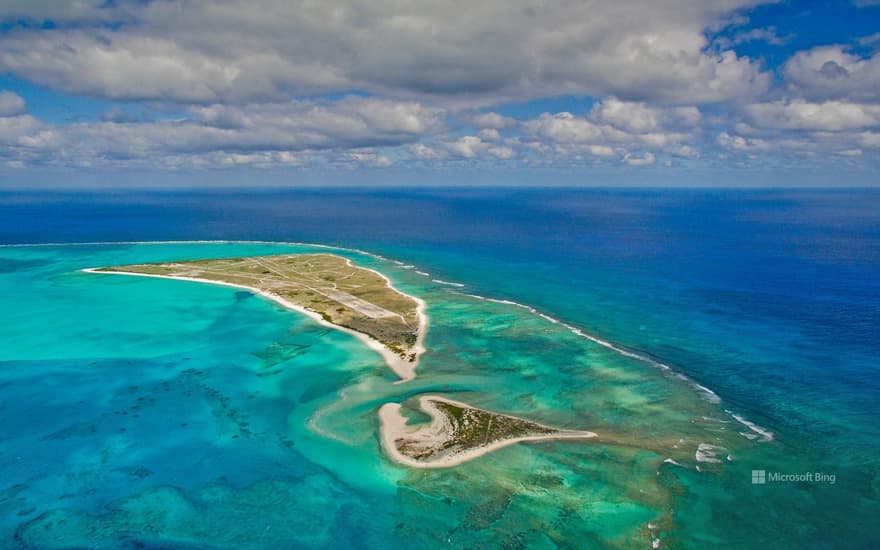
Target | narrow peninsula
(457,433)
(326,287)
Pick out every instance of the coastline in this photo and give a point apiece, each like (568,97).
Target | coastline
(393,426)
(764,435)
(421,314)
(405,370)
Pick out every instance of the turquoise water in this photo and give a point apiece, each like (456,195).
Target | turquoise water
(154,413)
(141,413)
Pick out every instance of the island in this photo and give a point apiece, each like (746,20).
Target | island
(361,301)
(326,287)
(457,433)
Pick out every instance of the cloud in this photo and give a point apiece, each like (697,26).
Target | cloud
(616,128)
(740,143)
(130,67)
(564,128)
(502,152)
(870,39)
(643,160)
(422,151)
(352,122)
(257,83)
(493,121)
(262,159)
(51,10)
(831,72)
(11,104)
(365,132)
(767,35)
(640,118)
(489,134)
(258,134)
(240,51)
(775,148)
(369,158)
(869,139)
(803,115)
(464,147)
(20,131)
(828,108)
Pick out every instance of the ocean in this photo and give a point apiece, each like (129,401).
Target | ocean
(722,343)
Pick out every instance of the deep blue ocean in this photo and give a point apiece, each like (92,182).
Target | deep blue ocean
(770,298)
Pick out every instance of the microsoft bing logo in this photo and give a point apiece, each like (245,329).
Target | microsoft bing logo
(762,477)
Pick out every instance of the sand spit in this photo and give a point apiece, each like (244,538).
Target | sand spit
(443,442)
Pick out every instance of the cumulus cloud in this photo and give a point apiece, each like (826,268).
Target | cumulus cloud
(564,128)
(250,83)
(640,118)
(869,139)
(489,134)
(262,133)
(803,115)
(492,121)
(740,143)
(11,104)
(617,128)
(242,50)
(778,146)
(425,152)
(369,158)
(831,72)
(636,160)
(464,147)
(130,67)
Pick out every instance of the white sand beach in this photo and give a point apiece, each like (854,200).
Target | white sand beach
(402,368)
(439,431)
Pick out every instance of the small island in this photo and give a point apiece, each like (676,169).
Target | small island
(362,302)
(457,433)
(326,287)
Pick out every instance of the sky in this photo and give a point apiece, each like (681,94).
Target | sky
(191,93)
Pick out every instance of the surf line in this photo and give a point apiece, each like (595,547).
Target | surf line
(760,434)
(197,241)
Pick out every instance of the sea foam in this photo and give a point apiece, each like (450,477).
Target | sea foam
(758,433)
(447,283)
(708,453)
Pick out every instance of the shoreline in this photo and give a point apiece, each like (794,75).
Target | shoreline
(764,434)
(393,426)
(405,370)
(418,348)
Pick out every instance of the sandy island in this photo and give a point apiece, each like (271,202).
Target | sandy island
(457,433)
(363,302)
(372,319)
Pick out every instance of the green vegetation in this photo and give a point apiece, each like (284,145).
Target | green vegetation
(458,429)
(475,427)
